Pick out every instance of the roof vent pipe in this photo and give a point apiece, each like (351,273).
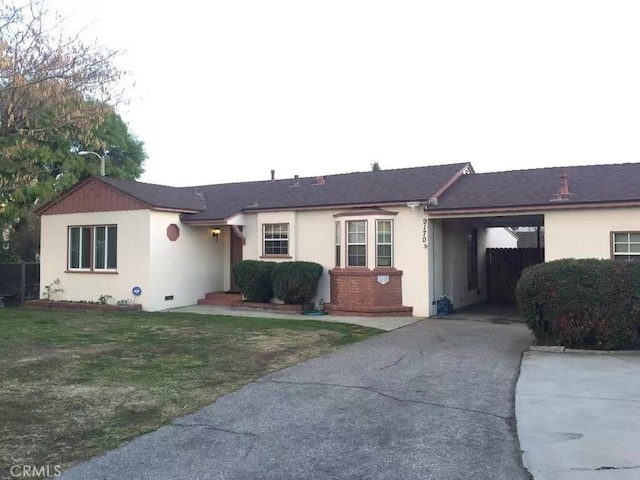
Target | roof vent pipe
(273,175)
(296,182)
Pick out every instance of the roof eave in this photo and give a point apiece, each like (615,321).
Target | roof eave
(440,212)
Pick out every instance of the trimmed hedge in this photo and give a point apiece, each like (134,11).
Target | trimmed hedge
(296,283)
(585,303)
(253,278)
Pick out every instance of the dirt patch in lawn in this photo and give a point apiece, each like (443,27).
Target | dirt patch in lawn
(74,385)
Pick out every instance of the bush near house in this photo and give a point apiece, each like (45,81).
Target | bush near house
(253,278)
(586,303)
(295,283)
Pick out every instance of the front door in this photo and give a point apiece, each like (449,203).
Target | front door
(236,255)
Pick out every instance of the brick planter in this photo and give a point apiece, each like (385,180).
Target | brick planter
(364,292)
(79,306)
(278,307)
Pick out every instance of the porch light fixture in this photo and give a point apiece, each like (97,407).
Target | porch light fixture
(215,233)
(101,157)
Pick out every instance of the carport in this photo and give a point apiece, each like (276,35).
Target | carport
(465,267)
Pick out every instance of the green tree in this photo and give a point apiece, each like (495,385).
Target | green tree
(60,166)
(57,97)
(375,166)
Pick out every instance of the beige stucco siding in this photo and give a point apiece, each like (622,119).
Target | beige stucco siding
(586,233)
(455,265)
(312,238)
(500,237)
(185,269)
(133,255)
(315,235)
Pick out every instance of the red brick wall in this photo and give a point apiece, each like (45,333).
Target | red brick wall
(359,287)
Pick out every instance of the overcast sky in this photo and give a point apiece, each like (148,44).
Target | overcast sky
(228,90)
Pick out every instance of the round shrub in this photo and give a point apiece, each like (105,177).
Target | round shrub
(295,283)
(253,278)
(582,303)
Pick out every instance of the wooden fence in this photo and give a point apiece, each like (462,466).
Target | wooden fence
(504,266)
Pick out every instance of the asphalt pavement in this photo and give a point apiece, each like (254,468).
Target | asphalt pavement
(432,400)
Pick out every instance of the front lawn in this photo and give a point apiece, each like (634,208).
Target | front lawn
(73,385)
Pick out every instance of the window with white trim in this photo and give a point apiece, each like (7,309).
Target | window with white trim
(93,248)
(384,243)
(357,243)
(626,246)
(275,239)
(79,248)
(105,247)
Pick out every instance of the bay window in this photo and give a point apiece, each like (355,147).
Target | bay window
(357,243)
(384,243)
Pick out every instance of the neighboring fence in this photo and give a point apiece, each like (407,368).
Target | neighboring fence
(504,266)
(19,282)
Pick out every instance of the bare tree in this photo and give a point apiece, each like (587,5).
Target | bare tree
(45,76)
(51,84)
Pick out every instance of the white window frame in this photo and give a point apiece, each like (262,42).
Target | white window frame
(104,267)
(390,243)
(628,242)
(265,240)
(338,249)
(350,244)
(80,268)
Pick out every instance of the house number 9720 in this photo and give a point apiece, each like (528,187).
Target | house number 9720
(424,230)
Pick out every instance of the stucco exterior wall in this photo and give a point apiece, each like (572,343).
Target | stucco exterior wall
(185,269)
(133,256)
(586,233)
(455,266)
(312,238)
(500,237)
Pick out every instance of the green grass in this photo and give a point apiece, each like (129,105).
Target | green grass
(73,385)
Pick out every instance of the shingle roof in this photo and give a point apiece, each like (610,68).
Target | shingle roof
(159,196)
(520,188)
(224,200)
(383,186)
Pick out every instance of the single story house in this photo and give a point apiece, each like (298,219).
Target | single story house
(391,241)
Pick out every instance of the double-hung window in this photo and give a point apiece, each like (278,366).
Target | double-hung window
(276,239)
(93,248)
(357,243)
(626,246)
(384,243)
(79,248)
(105,247)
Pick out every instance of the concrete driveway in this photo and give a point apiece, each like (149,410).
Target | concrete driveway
(433,400)
(579,415)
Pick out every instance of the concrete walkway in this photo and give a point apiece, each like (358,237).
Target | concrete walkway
(382,323)
(433,400)
(579,416)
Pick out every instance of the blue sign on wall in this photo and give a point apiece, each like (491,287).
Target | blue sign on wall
(137,291)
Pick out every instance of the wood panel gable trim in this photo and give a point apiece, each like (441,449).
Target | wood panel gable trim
(92,195)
